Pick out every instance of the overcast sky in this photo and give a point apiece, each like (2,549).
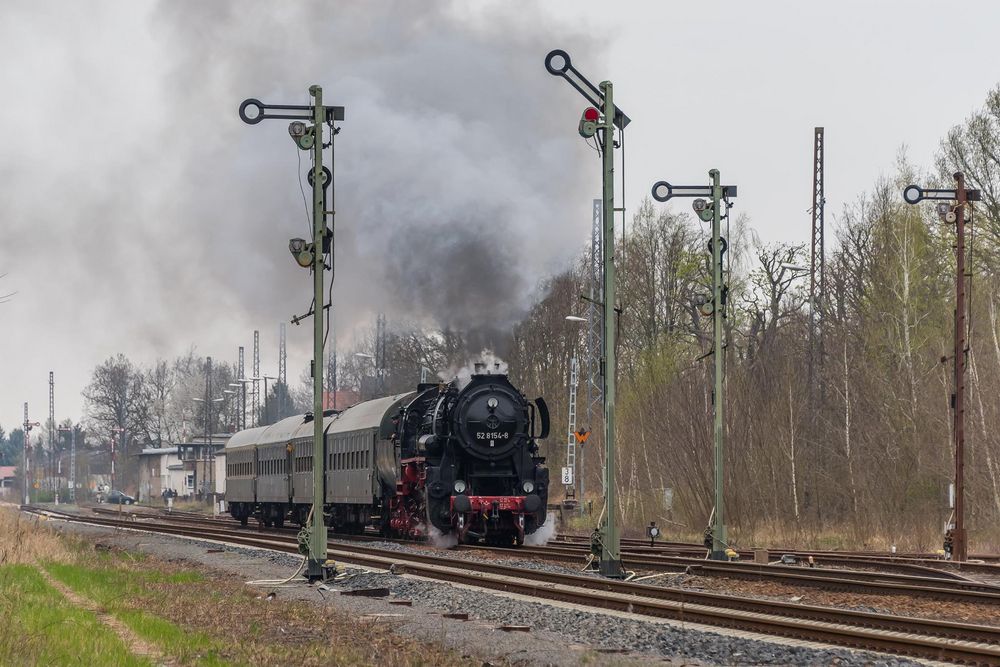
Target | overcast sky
(140,216)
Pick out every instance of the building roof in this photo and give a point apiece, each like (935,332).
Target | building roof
(340,399)
(158,451)
(7,472)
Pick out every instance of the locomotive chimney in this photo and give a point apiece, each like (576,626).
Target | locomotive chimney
(496,366)
(479,367)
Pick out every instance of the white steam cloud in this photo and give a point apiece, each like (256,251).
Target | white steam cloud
(460,179)
(546,532)
(490,363)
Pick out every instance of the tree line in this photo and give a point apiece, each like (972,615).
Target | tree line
(863,453)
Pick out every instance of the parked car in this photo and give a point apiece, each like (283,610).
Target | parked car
(118,498)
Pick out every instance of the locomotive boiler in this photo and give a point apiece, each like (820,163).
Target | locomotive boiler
(453,459)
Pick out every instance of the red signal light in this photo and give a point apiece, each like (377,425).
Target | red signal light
(591,114)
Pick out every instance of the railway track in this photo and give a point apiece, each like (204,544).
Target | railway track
(922,638)
(944,586)
(989,565)
(855,581)
(631,541)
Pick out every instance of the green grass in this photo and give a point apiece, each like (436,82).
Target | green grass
(114,588)
(41,627)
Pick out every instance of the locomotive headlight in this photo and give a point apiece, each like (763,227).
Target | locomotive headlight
(460,486)
(528,486)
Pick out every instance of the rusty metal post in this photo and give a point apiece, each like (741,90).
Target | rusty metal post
(955,213)
(960,540)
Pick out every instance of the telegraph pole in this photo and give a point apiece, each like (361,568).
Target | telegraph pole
(951,210)
(711,211)
(310,137)
(600,121)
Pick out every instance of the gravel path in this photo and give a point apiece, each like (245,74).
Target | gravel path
(560,635)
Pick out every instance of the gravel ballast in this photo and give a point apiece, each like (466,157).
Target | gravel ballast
(561,634)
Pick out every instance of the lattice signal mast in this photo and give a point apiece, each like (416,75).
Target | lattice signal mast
(571,432)
(595,336)
(255,414)
(282,356)
(380,352)
(595,323)
(817,272)
(26,468)
(241,379)
(52,411)
(50,426)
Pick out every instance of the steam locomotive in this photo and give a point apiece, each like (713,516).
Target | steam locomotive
(452,459)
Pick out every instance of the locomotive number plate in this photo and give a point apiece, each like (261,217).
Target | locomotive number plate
(492,437)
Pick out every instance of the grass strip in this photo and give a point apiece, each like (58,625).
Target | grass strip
(44,628)
(118,589)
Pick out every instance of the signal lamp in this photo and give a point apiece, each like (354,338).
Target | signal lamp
(528,486)
(460,486)
(301,134)
(302,252)
(588,122)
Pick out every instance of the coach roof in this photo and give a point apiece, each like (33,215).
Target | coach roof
(369,414)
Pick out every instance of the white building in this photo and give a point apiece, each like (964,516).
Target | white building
(161,468)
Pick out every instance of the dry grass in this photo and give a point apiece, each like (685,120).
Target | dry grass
(193,617)
(31,539)
(270,632)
